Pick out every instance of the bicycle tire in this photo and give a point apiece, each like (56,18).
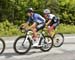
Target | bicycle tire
(2,41)
(61,42)
(41,48)
(15,48)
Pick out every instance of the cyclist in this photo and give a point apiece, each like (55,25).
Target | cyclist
(38,23)
(52,21)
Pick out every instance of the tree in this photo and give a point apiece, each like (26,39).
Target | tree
(15,10)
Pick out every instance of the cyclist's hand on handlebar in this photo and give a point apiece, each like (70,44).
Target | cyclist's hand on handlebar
(24,25)
(29,28)
(46,26)
(21,26)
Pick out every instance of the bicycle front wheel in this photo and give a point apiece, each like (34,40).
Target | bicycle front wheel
(2,46)
(46,43)
(58,39)
(22,45)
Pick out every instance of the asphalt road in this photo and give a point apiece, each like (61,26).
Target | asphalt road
(65,52)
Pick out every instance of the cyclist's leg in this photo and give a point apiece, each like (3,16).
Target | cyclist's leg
(51,28)
(38,27)
(35,42)
(34,30)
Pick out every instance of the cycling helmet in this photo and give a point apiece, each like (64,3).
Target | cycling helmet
(46,11)
(30,10)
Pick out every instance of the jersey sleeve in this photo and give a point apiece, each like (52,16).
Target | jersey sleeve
(39,18)
(42,18)
(29,20)
(50,16)
(35,18)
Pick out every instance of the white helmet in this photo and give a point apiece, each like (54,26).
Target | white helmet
(30,10)
(46,11)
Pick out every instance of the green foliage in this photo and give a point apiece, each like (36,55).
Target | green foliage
(13,13)
(66,29)
(67,11)
(8,29)
(15,10)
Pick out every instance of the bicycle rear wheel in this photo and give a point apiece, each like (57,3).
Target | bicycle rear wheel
(2,46)
(58,39)
(46,43)
(22,45)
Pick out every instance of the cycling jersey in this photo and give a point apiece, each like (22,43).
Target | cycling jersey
(37,18)
(53,18)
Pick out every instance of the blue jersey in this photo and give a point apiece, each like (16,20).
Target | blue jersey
(36,18)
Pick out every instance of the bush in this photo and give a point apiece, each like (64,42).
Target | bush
(8,29)
(66,29)
(15,10)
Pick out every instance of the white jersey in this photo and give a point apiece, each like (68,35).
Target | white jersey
(51,16)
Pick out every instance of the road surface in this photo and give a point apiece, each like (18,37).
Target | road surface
(65,52)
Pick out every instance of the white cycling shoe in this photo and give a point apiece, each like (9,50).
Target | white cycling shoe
(35,45)
(36,42)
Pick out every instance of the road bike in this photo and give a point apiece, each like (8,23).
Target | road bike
(58,38)
(24,43)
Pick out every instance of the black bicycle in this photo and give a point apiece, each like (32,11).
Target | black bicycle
(2,46)
(24,43)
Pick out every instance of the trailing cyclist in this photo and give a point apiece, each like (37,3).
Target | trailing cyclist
(52,21)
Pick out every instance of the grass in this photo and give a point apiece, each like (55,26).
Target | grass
(8,29)
(66,29)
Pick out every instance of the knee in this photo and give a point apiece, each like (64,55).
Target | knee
(34,29)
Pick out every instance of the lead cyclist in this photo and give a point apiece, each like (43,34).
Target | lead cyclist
(38,24)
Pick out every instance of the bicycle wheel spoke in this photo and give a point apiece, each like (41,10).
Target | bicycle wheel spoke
(22,46)
(1,46)
(46,43)
(58,40)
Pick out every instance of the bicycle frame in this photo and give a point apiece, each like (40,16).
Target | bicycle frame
(28,34)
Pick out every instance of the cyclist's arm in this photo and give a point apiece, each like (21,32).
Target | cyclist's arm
(29,20)
(33,25)
(48,22)
(26,24)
